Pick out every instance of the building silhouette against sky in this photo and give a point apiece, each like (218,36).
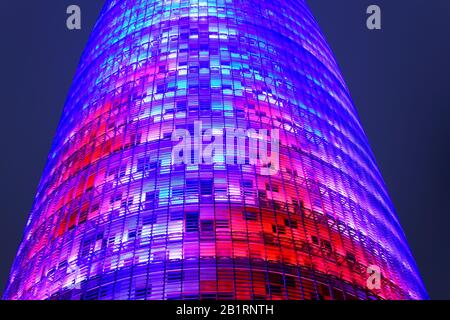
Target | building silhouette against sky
(115,218)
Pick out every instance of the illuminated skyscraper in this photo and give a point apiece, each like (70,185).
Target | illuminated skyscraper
(115,218)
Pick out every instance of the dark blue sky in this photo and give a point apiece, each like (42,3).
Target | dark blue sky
(399,79)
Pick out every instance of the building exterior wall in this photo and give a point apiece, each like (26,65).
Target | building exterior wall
(114,218)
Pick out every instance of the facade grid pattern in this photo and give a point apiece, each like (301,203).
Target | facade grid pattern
(113,218)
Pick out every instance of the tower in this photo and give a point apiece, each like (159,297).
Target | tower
(115,217)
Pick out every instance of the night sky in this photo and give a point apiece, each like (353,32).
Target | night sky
(399,78)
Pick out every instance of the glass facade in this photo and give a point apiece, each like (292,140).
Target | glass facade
(115,218)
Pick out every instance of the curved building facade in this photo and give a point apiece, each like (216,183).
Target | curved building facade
(115,217)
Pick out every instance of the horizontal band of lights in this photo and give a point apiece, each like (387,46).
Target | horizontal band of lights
(114,218)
